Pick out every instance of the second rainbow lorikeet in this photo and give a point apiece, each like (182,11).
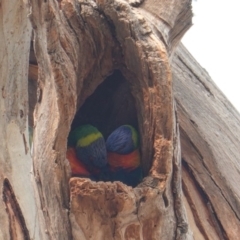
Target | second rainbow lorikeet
(123,140)
(123,155)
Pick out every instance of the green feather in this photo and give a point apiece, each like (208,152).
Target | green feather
(83,135)
(135,136)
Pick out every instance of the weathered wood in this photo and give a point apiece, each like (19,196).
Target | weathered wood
(169,19)
(76,49)
(18,205)
(77,46)
(210,133)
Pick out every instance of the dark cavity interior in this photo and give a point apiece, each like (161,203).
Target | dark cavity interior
(110,106)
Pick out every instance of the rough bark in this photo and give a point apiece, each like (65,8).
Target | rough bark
(18,208)
(74,57)
(83,53)
(210,131)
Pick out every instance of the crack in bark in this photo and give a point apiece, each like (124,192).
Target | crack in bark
(4,92)
(17,225)
(210,175)
(25,144)
(182,225)
(192,144)
(42,200)
(220,190)
(193,209)
(214,218)
(208,203)
(135,3)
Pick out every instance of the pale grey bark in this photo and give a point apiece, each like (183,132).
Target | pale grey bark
(210,133)
(18,207)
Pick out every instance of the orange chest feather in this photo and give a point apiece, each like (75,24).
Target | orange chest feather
(77,167)
(128,161)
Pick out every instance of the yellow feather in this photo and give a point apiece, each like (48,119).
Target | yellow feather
(134,136)
(85,141)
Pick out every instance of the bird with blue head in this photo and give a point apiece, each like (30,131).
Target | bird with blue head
(123,155)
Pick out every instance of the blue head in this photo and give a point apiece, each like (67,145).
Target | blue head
(123,140)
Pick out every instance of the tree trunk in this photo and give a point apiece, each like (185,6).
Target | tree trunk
(210,130)
(18,207)
(110,63)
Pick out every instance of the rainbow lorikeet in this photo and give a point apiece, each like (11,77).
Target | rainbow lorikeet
(123,155)
(77,167)
(90,149)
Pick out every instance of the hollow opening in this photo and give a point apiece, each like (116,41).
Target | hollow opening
(109,107)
